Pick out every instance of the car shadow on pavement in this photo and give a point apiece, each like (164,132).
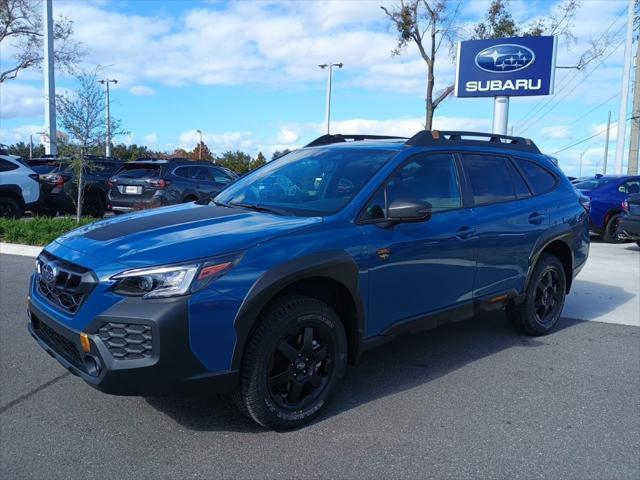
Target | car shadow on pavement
(591,300)
(406,362)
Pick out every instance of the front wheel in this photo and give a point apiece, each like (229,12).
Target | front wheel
(9,208)
(544,298)
(292,363)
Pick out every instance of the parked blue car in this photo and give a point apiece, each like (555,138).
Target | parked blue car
(269,289)
(607,193)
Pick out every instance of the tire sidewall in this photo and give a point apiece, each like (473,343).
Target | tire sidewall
(608,234)
(546,263)
(10,206)
(306,315)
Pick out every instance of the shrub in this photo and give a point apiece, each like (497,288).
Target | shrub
(38,230)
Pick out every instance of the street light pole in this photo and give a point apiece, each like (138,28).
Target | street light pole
(329,79)
(200,145)
(106,82)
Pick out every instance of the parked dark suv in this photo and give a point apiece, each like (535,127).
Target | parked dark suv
(152,183)
(59,188)
(297,268)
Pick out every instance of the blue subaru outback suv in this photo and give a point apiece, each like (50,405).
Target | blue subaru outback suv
(271,287)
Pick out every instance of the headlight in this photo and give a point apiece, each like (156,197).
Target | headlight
(172,280)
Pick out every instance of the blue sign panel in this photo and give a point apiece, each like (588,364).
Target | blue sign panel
(506,67)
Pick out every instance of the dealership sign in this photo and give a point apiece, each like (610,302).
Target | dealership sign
(506,67)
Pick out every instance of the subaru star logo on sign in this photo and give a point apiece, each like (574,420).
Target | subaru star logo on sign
(506,67)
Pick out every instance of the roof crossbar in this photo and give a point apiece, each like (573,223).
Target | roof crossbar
(328,139)
(432,138)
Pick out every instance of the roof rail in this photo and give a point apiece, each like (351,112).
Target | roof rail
(340,138)
(429,138)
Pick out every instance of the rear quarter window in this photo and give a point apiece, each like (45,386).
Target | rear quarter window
(540,179)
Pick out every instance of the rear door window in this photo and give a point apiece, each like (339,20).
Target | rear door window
(219,176)
(540,179)
(201,173)
(6,166)
(490,178)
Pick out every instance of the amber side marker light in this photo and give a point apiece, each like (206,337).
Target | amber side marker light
(84,342)
(212,270)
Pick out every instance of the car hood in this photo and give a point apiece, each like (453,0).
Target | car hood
(173,234)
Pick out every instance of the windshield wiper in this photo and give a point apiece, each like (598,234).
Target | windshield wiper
(259,208)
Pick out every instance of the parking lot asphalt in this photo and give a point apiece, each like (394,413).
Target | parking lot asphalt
(469,400)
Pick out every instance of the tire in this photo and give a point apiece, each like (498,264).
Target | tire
(10,208)
(299,344)
(93,205)
(189,199)
(611,234)
(544,299)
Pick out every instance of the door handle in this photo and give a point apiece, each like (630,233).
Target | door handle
(465,232)
(536,218)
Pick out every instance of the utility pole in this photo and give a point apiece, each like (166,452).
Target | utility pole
(50,145)
(200,145)
(107,149)
(30,146)
(624,93)
(606,145)
(327,113)
(632,166)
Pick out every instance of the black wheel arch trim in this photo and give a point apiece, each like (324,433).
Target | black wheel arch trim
(334,265)
(562,233)
(14,191)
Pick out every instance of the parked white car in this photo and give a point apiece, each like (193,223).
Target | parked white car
(19,187)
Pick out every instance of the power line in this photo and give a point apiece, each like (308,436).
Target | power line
(561,83)
(600,132)
(560,100)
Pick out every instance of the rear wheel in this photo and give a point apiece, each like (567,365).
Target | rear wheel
(544,298)
(10,208)
(189,198)
(292,363)
(612,232)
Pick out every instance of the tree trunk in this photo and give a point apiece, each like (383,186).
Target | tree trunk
(80,187)
(429,100)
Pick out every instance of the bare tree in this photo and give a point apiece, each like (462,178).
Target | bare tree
(82,115)
(22,30)
(427,23)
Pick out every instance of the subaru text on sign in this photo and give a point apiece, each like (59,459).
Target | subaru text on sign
(506,67)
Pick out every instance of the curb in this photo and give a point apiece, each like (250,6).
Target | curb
(19,249)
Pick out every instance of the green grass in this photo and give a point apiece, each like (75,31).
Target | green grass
(38,230)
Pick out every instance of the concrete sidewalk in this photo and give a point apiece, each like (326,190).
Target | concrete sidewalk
(608,288)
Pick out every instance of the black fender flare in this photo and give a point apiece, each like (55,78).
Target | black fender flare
(561,232)
(335,265)
(13,191)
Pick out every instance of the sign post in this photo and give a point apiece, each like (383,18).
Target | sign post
(504,68)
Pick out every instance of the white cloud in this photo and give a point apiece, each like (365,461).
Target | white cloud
(21,134)
(150,139)
(142,91)
(556,132)
(20,100)
(287,136)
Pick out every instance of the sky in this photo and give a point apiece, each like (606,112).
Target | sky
(246,74)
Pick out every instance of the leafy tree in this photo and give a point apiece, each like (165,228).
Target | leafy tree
(81,115)
(258,161)
(130,152)
(206,153)
(181,152)
(279,153)
(22,27)
(21,149)
(237,161)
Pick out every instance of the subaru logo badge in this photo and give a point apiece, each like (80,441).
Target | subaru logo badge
(50,272)
(505,58)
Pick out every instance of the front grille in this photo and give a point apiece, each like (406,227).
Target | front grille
(69,287)
(57,342)
(127,341)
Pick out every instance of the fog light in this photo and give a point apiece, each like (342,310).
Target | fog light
(91,365)
(84,342)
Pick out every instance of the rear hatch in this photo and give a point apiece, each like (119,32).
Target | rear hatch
(136,181)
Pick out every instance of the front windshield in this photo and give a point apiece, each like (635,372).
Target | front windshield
(315,181)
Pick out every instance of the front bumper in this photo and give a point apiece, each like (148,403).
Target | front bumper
(136,348)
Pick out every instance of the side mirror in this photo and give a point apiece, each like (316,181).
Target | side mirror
(408,211)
